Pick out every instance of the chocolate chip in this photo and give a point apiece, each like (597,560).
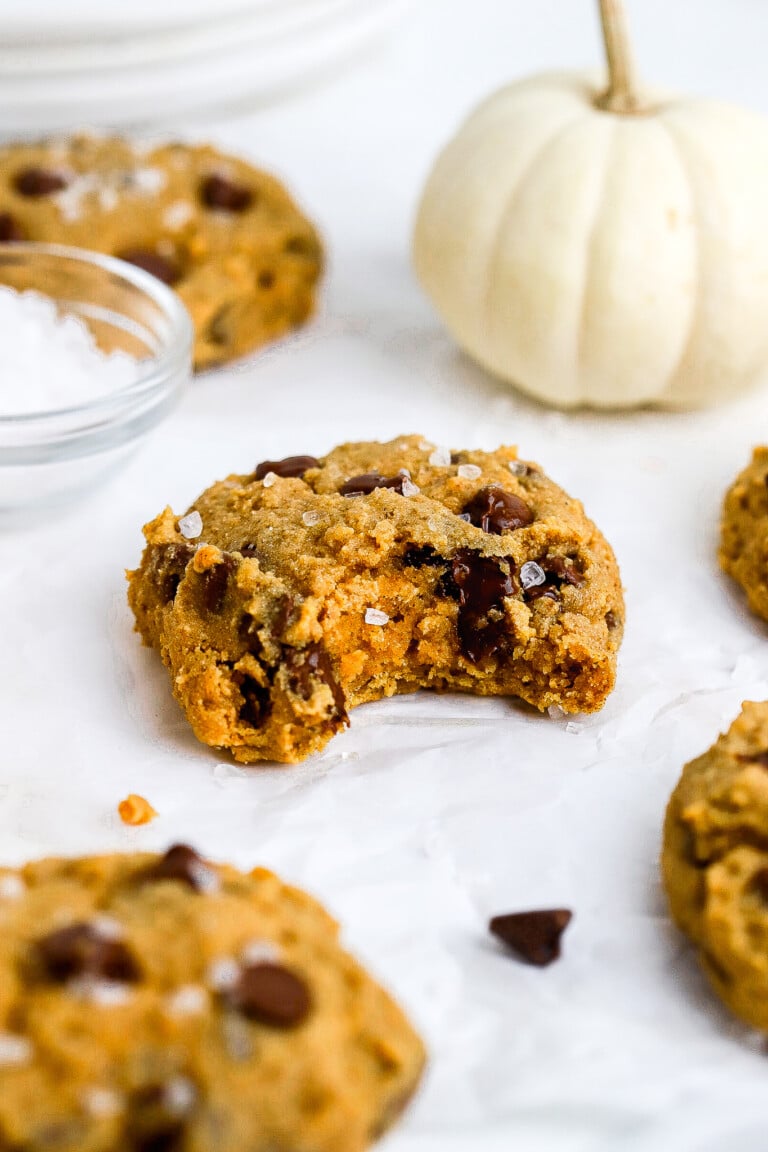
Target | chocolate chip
(482,585)
(760,758)
(497,511)
(290,466)
(266,278)
(303,246)
(80,950)
(542,592)
(226,195)
(39,182)
(168,563)
(611,620)
(256,704)
(182,864)
(310,665)
(759,884)
(565,568)
(533,936)
(215,581)
(154,1122)
(10,230)
(423,556)
(248,549)
(270,994)
(158,266)
(366,483)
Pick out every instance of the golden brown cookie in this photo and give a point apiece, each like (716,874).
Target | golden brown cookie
(225,235)
(715,862)
(744,538)
(285,597)
(168,1004)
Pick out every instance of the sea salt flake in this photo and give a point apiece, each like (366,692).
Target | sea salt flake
(376,616)
(532,574)
(269,479)
(573,728)
(469,471)
(441,457)
(107,927)
(425,446)
(310,518)
(178,214)
(148,180)
(179,1095)
(14,1050)
(191,525)
(260,952)
(556,712)
(409,488)
(189,1000)
(223,973)
(104,993)
(466,516)
(11,887)
(517,467)
(102,1103)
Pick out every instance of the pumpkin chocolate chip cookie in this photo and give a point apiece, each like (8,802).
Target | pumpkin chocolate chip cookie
(284,597)
(168,1004)
(715,862)
(744,535)
(225,235)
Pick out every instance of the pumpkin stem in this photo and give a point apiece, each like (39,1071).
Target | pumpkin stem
(621,94)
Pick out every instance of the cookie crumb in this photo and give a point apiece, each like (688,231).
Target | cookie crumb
(376,616)
(191,525)
(135,810)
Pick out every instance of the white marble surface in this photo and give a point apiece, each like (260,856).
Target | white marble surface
(430,814)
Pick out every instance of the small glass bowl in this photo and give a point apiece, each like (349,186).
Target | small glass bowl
(49,457)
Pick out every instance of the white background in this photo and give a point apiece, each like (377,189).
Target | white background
(431,814)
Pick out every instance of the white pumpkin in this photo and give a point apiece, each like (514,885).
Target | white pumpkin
(595,250)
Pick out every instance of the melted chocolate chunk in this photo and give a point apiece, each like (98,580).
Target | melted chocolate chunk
(290,466)
(10,229)
(82,951)
(534,937)
(423,556)
(256,704)
(760,758)
(158,266)
(366,483)
(759,884)
(34,182)
(182,864)
(312,664)
(169,562)
(482,585)
(565,568)
(542,592)
(226,195)
(611,620)
(270,994)
(153,1123)
(215,581)
(249,550)
(497,511)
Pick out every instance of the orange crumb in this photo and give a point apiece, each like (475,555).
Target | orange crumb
(136,810)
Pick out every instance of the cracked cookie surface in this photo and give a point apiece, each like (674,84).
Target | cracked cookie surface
(225,235)
(715,862)
(169,1004)
(744,532)
(311,586)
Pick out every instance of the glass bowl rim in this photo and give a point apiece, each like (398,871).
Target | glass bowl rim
(174,351)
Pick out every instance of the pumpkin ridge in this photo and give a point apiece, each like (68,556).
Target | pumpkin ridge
(693,322)
(534,163)
(589,249)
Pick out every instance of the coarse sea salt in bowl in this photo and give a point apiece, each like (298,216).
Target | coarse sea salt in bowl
(93,353)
